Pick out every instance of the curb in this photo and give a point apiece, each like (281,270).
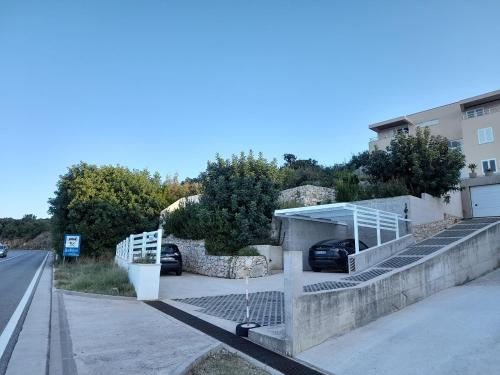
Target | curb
(217,348)
(184,369)
(94,295)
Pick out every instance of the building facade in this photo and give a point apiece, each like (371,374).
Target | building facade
(472,124)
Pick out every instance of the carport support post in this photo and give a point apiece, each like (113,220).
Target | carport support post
(356,234)
(293,289)
(158,245)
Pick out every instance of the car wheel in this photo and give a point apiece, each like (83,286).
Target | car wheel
(316,269)
(243,328)
(178,272)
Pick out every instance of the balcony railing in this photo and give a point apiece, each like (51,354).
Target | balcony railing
(478,112)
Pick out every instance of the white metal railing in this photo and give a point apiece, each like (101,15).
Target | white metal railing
(478,112)
(142,245)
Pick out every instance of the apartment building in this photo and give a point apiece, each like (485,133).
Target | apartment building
(472,124)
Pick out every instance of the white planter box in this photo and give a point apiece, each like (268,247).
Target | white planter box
(273,254)
(146,280)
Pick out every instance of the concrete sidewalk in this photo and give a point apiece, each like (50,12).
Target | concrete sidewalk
(30,354)
(456,331)
(121,336)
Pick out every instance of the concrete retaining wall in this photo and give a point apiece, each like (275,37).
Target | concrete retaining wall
(369,257)
(325,314)
(273,254)
(420,210)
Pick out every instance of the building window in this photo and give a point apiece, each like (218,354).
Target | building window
(428,123)
(475,113)
(456,144)
(489,165)
(485,135)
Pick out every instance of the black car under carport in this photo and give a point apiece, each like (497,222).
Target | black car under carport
(332,254)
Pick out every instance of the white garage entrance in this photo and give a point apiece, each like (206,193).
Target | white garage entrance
(485,200)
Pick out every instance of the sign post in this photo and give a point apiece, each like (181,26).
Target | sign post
(71,245)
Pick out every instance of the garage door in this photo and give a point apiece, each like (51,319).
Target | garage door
(485,200)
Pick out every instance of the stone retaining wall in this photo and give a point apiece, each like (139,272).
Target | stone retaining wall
(196,260)
(308,195)
(423,231)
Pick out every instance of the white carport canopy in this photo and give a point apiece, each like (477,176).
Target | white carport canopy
(337,213)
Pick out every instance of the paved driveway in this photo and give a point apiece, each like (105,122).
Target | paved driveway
(456,331)
(190,285)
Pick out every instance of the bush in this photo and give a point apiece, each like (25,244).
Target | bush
(423,162)
(391,188)
(26,228)
(186,222)
(248,251)
(239,198)
(347,188)
(105,205)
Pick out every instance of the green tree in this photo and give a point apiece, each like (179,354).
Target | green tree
(105,204)
(423,162)
(239,198)
(26,228)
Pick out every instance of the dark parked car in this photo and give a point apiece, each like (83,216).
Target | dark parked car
(3,250)
(171,259)
(332,254)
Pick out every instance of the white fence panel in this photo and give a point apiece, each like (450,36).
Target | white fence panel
(142,245)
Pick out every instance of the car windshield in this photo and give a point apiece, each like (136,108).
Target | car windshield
(169,249)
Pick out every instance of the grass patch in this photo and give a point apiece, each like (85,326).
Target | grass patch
(225,363)
(93,276)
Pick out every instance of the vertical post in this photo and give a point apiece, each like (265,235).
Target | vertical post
(158,245)
(292,262)
(143,247)
(130,248)
(396,221)
(356,234)
(379,239)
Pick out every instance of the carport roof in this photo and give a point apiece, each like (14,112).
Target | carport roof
(331,213)
(336,212)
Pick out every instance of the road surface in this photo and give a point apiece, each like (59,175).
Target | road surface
(16,272)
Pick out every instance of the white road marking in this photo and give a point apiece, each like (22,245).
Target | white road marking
(14,319)
(14,257)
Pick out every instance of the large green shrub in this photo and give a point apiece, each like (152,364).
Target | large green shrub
(391,188)
(239,198)
(347,187)
(423,162)
(186,221)
(26,228)
(105,204)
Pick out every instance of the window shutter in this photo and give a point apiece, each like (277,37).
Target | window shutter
(489,134)
(480,136)
(485,166)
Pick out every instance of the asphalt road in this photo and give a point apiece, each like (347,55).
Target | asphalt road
(16,272)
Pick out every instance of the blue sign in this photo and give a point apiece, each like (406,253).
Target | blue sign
(71,245)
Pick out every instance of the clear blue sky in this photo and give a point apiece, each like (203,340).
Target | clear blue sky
(164,85)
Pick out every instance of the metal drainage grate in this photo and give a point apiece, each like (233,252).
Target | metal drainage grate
(483,220)
(455,233)
(327,285)
(397,262)
(266,308)
(421,250)
(437,241)
(367,275)
(469,226)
